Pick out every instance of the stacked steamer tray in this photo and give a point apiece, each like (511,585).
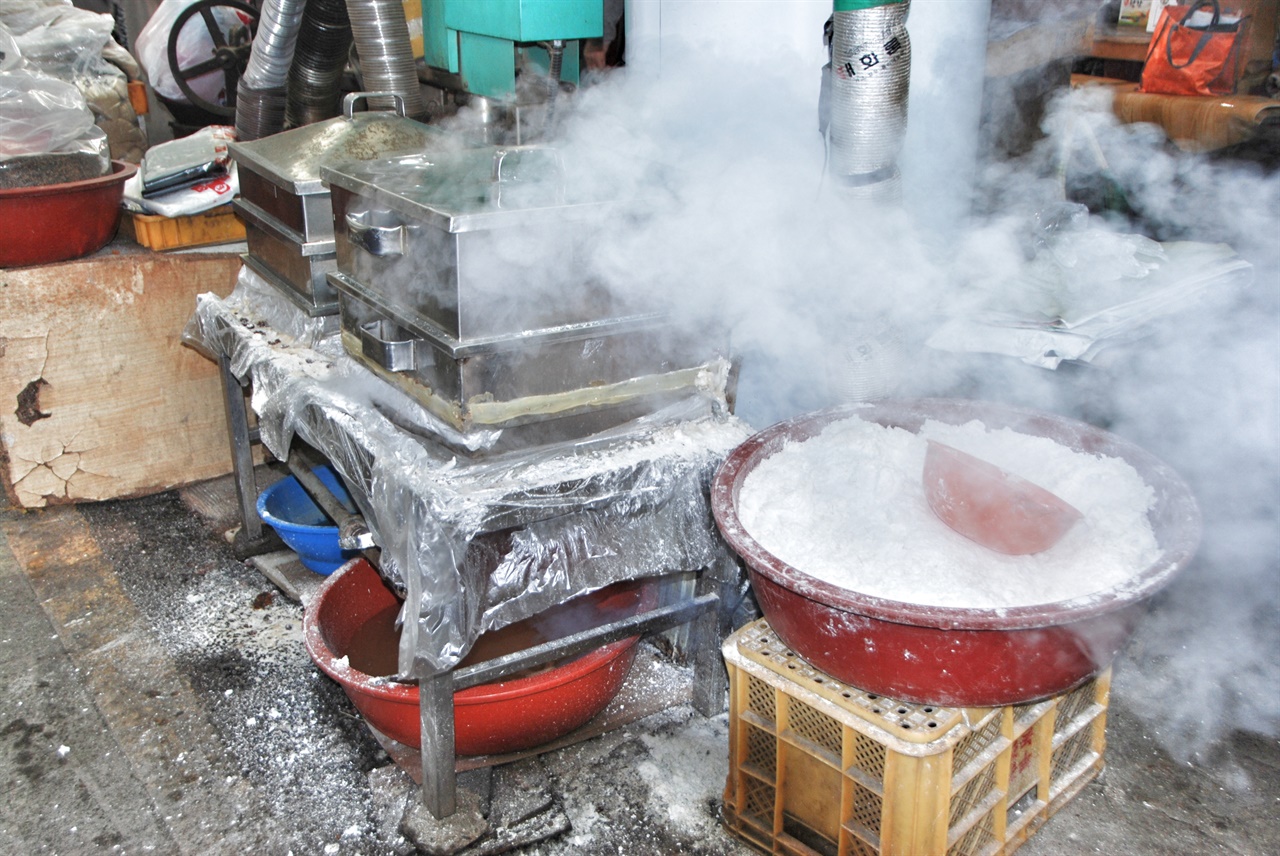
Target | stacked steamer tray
(464,279)
(285,206)
(820,767)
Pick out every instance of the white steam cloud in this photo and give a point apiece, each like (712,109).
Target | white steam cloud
(727,221)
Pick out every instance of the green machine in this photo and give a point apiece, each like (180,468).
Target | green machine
(479,46)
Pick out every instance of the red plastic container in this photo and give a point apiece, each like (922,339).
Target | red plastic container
(490,719)
(56,222)
(945,655)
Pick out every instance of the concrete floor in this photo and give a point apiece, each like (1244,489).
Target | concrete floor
(159,700)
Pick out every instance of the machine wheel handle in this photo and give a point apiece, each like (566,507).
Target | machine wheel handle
(230,51)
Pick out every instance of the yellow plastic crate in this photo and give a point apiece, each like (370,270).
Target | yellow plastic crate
(820,768)
(217,226)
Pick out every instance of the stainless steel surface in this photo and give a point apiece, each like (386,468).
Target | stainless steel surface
(280,173)
(257,216)
(466,189)
(483,241)
(608,370)
(325,304)
(298,265)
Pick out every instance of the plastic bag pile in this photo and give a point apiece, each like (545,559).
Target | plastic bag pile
(64,101)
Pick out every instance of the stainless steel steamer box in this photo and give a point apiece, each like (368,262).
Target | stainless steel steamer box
(285,206)
(461,278)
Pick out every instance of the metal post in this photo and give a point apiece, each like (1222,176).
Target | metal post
(708,629)
(435,709)
(241,452)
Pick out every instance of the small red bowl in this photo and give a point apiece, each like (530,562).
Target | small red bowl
(491,719)
(57,222)
(991,506)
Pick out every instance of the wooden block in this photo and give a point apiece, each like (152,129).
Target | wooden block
(99,399)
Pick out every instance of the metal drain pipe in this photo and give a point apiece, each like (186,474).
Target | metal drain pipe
(870,71)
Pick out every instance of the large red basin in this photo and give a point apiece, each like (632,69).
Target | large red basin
(507,716)
(56,222)
(946,655)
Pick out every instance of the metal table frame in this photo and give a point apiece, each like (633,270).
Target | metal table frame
(708,612)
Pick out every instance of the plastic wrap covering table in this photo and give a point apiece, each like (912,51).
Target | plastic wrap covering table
(567,518)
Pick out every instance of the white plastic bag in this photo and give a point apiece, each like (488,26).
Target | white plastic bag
(39,114)
(208,142)
(194,46)
(10,56)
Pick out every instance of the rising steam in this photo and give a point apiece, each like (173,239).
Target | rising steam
(726,219)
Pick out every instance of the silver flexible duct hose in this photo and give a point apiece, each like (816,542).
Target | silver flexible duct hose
(260,92)
(273,44)
(870,72)
(386,55)
(315,78)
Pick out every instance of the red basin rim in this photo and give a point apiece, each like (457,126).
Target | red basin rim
(1177,528)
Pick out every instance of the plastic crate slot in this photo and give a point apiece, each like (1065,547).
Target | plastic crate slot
(758,721)
(815,727)
(1024,804)
(758,800)
(1065,730)
(752,834)
(978,789)
(979,839)
(856,846)
(868,757)
(1069,755)
(979,741)
(1075,702)
(795,832)
(760,700)
(978,765)
(865,812)
(761,758)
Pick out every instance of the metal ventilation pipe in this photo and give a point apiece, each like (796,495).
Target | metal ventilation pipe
(385,53)
(870,71)
(260,93)
(324,44)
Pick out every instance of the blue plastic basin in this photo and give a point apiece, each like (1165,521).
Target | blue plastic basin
(304,528)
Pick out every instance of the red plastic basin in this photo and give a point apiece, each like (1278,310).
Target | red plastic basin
(946,655)
(507,716)
(56,222)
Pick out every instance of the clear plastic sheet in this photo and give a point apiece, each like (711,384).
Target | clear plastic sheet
(477,543)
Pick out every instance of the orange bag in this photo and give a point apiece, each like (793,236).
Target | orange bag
(1194,54)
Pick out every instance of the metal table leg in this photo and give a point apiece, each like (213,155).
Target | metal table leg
(439,780)
(253,539)
(709,676)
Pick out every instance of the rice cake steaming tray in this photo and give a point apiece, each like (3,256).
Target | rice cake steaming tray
(461,279)
(948,655)
(285,206)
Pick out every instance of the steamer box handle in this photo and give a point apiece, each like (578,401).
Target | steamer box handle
(351,99)
(378,233)
(385,343)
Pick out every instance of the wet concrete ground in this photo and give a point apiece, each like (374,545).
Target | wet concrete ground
(159,700)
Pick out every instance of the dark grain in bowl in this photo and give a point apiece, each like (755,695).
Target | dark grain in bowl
(45,169)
